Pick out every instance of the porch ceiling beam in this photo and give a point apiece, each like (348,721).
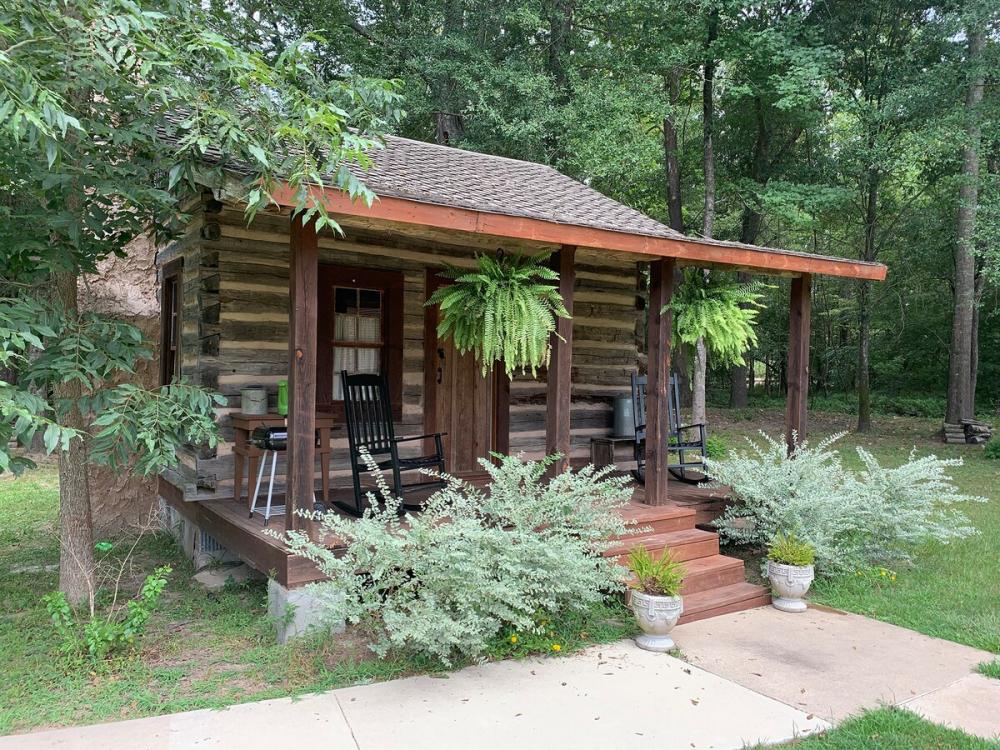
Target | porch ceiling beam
(661,286)
(687,250)
(799,315)
(302,346)
(559,378)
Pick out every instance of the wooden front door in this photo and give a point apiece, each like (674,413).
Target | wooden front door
(459,401)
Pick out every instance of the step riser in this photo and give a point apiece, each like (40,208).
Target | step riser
(712,579)
(690,551)
(703,614)
(663,526)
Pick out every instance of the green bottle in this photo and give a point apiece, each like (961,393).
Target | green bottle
(283,398)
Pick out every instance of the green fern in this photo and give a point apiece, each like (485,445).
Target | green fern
(721,311)
(503,311)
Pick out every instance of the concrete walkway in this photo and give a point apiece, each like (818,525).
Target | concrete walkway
(606,697)
(833,664)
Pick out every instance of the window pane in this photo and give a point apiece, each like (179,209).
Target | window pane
(344,358)
(345,321)
(369,315)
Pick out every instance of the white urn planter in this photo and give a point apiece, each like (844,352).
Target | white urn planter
(789,583)
(657,616)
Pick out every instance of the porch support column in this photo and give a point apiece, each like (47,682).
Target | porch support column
(798,359)
(303,271)
(661,288)
(558,384)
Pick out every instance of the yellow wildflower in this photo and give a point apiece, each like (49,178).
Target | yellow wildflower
(556,647)
(513,638)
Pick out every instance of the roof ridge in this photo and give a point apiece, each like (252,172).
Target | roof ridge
(446,147)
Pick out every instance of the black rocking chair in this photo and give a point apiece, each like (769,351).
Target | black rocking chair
(368,413)
(687,442)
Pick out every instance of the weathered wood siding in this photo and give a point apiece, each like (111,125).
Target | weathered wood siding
(235,332)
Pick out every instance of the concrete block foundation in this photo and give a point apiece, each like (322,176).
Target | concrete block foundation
(296,612)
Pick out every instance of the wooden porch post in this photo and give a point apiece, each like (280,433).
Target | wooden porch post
(798,360)
(303,271)
(661,287)
(558,385)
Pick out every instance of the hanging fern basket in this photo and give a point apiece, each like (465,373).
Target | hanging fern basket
(504,311)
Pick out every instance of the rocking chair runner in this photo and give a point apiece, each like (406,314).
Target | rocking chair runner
(687,442)
(368,413)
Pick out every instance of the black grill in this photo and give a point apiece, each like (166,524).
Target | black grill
(273,438)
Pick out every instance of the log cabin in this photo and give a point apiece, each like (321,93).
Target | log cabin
(251,304)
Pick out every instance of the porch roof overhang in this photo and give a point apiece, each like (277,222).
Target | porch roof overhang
(686,250)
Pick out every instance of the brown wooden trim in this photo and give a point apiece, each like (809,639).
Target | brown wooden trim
(797,399)
(501,410)
(432,281)
(559,388)
(687,249)
(302,345)
(171,291)
(661,285)
(501,383)
(391,284)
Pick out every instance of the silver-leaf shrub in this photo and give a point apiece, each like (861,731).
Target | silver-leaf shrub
(852,519)
(475,561)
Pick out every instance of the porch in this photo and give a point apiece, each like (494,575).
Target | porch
(715,584)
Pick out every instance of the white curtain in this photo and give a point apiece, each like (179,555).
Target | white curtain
(355,324)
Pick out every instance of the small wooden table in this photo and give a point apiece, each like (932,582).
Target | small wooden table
(602,449)
(245,452)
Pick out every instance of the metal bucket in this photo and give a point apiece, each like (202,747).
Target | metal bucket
(253,401)
(624,421)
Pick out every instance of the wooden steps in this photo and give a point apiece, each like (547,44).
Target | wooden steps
(688,544)
(733,598)
(714,584)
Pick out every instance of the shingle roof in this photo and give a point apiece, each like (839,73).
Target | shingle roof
(447,176)
(454,178)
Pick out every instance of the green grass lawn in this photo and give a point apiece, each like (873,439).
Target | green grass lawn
(201,651)
(211,650)
(891,729)
(951,591)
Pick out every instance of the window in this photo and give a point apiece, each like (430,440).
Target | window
(170,322)
(360,330)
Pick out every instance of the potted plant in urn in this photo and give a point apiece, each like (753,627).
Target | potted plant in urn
(655,597)
(790,570)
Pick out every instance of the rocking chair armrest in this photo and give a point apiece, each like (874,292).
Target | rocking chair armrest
(420,437)
(640,427)
(696,425)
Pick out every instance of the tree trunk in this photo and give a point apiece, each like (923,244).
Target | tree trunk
(700,376)
(864,306)
(560,21)
(448,127)
(974,346)
(671,161)
(960,378)
(698,383)
(670,155)
(708,124)
(750,224)
(76,534)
